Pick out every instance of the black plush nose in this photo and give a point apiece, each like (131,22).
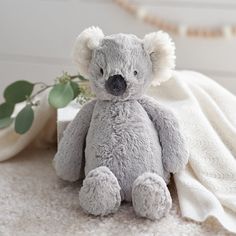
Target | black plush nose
(116,85)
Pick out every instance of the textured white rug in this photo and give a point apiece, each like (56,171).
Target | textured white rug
(33,201)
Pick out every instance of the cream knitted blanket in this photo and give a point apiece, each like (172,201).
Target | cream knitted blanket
(207,115)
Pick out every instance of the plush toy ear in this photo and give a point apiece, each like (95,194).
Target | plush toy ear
(161,49)
(88,40)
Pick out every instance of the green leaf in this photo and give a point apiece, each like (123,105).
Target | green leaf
(76,89)
(61,95)
(6,110)
(24,120)
(5,122)
(18,91)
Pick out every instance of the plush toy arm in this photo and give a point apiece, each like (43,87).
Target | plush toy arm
(174,152)
(69,159)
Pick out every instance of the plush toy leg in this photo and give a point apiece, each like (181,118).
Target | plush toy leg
(150,196)
(100,193)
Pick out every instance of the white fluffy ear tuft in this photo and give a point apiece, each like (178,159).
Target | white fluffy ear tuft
(161,49)
(88,40)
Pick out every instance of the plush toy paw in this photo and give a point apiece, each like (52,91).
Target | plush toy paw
(100,193)
(150,196)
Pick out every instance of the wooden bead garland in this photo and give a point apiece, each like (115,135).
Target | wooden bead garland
(180,30)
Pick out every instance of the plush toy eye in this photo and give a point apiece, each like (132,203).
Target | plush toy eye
(135,73)
(101,71)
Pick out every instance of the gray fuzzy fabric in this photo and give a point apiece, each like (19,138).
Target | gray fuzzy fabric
(100,193)
(34,202)
(129,134)
(120,54)
(151,197)
(69,161)
(174,152)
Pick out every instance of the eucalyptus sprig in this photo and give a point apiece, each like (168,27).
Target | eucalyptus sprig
(65,89)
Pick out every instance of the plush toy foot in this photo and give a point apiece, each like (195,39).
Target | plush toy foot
(150,196)
(100,193)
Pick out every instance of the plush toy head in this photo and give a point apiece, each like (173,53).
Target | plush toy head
(122,66)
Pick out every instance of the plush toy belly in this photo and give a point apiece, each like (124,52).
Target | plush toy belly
(123,138)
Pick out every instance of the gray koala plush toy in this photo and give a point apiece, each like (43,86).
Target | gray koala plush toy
(123,143)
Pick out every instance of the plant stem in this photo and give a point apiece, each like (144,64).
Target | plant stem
(40,91)
(77,76)
(74,76)
(42,83)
